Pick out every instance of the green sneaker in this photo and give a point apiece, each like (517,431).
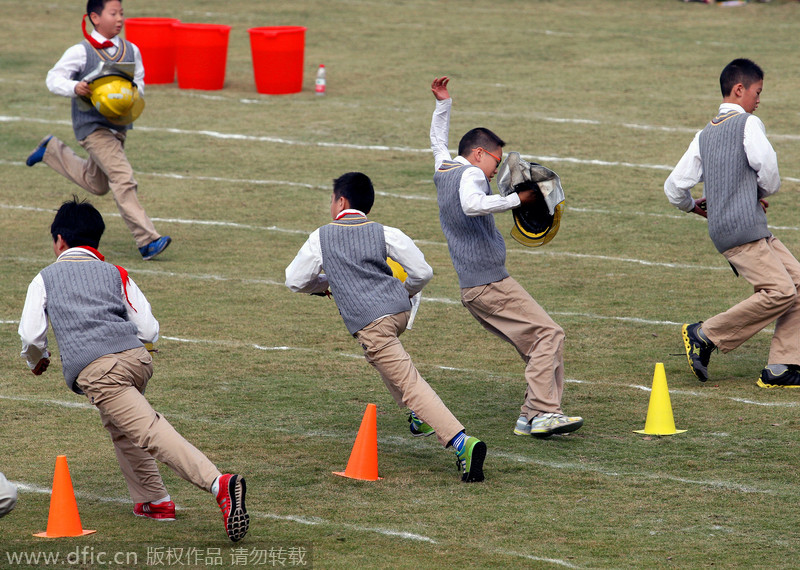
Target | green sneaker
(470,460)
(418,427)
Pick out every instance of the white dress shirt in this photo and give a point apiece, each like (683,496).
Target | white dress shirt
(760,154)
(474,190)
(60,78)
(304,274)
(33,323)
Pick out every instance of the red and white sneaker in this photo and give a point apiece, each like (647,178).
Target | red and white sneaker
(230,498)
(161,512)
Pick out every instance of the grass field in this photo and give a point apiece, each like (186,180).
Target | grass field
(269,384)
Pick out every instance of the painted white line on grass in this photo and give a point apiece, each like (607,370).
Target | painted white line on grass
(535,558)
(512,457)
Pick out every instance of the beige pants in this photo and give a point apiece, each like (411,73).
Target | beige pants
(107,168)
(115,384)
(507,310)
(774,274)
(383,350)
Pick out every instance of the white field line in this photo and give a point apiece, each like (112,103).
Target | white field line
(326,144)
(298,519)
(396,441)
(511,250)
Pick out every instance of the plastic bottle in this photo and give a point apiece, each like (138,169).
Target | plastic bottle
(320,82)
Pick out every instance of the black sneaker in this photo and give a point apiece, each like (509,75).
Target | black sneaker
(789,378)
(698,351)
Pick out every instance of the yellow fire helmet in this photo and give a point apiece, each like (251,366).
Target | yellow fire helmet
(397,269)
(117,99)
(534,224)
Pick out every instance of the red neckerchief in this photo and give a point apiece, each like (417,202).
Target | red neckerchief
(91,40)
(123,273)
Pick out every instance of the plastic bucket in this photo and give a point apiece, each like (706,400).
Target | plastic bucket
(155,39)
(278,58)
(201,51)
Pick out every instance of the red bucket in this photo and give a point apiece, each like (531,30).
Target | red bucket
(154,38)
(201,51)
(278,58)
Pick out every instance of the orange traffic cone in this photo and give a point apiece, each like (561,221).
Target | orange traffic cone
(363,463)
(659,412)
(63,519)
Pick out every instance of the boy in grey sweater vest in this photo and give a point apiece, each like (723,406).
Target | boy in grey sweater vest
(478,251)
(375,307)
(739,168)
(107,167)
(103,324)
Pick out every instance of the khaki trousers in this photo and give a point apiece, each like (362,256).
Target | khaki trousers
(107,168)
(383,350)
(115,384)
(774,274)
(507,310)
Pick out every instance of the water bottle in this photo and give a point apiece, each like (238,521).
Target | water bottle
(320,82)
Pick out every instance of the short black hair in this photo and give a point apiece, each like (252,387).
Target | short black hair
(78,223)
(479,137)
(357,188)
(742,71)
(96,7)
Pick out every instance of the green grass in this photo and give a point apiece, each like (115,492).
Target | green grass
(269,384)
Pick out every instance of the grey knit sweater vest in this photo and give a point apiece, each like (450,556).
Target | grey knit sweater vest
(354,258)
(85,123)
(734,213)
(87,312)
(476,246)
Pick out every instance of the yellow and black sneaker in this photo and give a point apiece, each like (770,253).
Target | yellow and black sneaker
(698,350)
(780,376)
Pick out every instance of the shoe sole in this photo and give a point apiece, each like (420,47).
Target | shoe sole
(238,520)
(475,473)
(421,433)
(159,519)
(761,384)
(559,430)
(520,432)
(687,343)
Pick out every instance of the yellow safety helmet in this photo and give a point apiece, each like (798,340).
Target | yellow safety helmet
(534,224)
(397,269)
(117,99)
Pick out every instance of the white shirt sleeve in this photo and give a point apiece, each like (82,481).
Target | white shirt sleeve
(475,201)
(404,251)
(60,78)
(304,273)
(761,156)
(140,313)
(440,132)
(33,324)
(685,176)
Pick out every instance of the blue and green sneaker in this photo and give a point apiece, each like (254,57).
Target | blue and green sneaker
(418,427)
(470,460)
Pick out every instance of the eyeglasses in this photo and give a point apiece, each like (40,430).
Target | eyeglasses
(497,158)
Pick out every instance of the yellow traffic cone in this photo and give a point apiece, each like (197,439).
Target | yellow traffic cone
(659,412)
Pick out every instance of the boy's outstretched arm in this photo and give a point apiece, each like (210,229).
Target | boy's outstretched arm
(440,122)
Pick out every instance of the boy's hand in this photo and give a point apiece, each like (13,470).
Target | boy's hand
(700,207)
(41,366)
(439,88)
(764,204)
(325,293)
(527,196)
(82,88)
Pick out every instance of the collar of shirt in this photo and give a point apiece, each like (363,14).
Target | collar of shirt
(350,212)
(101,38)
(82,249)
(725,107)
